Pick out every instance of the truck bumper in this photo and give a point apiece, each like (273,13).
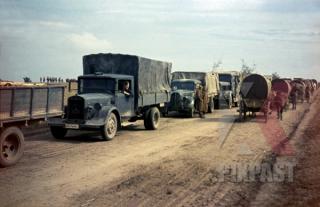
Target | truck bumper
(181,109)
(67,124)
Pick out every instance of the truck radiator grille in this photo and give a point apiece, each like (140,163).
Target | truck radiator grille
(75,108)
(175,99)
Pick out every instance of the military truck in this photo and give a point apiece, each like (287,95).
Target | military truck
(183,87)
(229,89)
(103,104)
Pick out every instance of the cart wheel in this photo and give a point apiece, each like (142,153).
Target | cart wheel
(242,112)
(11,145)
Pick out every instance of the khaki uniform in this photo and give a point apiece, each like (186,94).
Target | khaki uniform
(199,101)
(205,101)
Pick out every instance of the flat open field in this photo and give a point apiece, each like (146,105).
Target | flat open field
(177,165)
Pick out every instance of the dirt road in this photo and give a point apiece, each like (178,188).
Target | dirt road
(176,165)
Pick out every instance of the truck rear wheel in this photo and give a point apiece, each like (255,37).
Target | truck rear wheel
(152,118)
(58,132)
(11,145)
(110,128)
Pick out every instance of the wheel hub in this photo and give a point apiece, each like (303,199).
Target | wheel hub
(10,147)
(111,126)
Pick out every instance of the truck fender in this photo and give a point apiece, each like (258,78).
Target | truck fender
(108,110)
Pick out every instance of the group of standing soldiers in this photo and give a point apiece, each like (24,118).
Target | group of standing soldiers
(305,94)
(50,80)
(279,101)
(280,104)
(55,80)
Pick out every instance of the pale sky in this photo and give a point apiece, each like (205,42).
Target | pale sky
(49,38)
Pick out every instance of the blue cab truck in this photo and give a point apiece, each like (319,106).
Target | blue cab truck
(101,104)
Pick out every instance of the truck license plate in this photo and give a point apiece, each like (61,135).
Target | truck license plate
(72,126)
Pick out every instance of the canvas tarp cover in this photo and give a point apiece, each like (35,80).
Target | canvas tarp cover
(209,80)
(150,76)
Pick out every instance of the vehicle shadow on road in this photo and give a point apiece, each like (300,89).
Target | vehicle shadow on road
(176,115)
(71,137)
(224,119)
(133,127)
(80,137)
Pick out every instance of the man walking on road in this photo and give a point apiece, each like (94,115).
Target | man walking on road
(199,101)
(294,95)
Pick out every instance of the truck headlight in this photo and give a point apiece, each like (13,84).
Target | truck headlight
(187,100)
(97,106)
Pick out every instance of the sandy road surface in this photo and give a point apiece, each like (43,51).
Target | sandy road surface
(173,166)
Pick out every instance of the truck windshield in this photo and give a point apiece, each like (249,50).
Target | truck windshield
(225,78)
(96,85)
(183,85)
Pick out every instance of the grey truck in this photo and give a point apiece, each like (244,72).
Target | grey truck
(113,89)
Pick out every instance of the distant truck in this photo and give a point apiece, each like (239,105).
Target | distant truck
(229,89)
(21,106)
(183,87)
(103,102)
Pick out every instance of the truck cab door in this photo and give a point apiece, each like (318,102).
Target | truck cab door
(124,101)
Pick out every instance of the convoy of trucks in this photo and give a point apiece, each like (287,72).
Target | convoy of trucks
(116,88)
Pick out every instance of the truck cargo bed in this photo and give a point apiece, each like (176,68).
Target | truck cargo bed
(29,103)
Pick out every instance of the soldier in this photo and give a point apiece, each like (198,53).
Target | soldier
(205,101)
(278,104)
(294,95)
(126,88)
(308,95)
(199,101)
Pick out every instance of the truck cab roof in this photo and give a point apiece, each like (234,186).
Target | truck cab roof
(232,73)
(187,80)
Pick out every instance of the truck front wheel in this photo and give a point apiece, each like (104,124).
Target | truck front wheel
(110,128)
(58,132)
(211,106)
(230,102)
(152,118)
(11,146)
